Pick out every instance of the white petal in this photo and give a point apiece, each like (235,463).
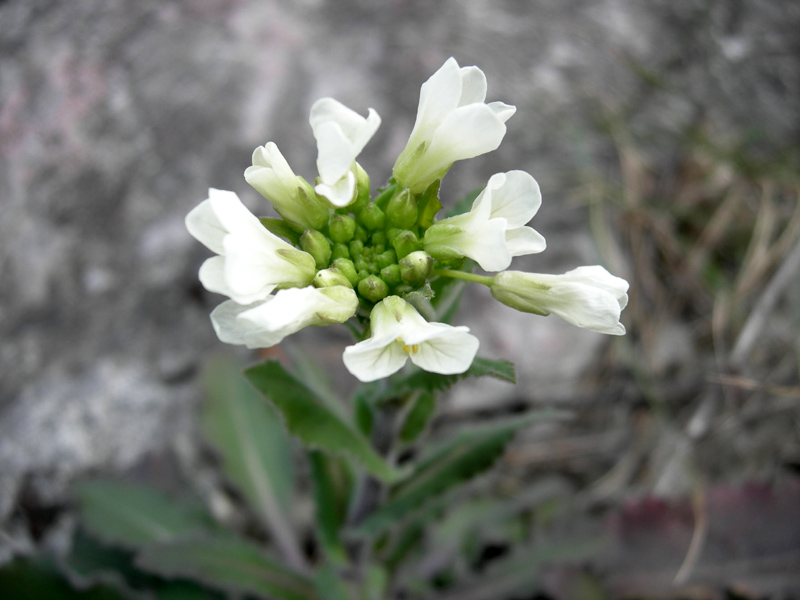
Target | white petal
(503,111)
(232,214)
(515,197)
(439,95)
(583,306)
(212,276)
(473,86)
(203,224)
(336,154)
(340,193)
(524,240)
(233,330)
(450,351)
(466,132)
(374,358)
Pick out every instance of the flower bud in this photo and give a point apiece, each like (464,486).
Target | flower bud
(331,277)
(416,267)
(373,288)
(405,243)
(361,234)
(342,228)
(389,257)
(318,246)
(356,249)
(402,210)
(346,268)
(340,251)
(379,238)
(391,275)
(372,217)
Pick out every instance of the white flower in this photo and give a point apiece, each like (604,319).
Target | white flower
(252,262)
(293,198)
(266,323)
(588,297)
(453,123)
(400,333)
(341,135)
(493,231)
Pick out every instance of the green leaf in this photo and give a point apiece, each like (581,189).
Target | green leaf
(417,418)
(255,449)
(423,381)
(311,420)
(135,515)
(520,574)
(280,228)
(39,579)
(333,486)
(330,585)
(455,461)
(229,564)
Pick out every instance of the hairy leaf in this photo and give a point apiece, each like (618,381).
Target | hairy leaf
(455,461)
(135,515)
(311,420)
(255,449)
(229,564)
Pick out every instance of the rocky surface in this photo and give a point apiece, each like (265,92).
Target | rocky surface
(116,116)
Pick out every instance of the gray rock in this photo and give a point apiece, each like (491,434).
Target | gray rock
(116,116)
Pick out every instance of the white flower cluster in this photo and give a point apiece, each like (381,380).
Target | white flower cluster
(338,253)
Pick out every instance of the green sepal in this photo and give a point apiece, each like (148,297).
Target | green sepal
(429,205)
(282,229)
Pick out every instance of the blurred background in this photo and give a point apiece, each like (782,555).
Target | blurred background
(665,136)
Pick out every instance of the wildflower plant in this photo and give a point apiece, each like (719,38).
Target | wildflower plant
(390,264)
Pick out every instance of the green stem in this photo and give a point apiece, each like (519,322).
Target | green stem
(484,279)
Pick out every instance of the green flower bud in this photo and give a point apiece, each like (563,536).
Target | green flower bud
(389,257)
(361,264)
(393,232)
(373,288)
(372,217)
(402,210)
(361,234)
(356,249)
(318,246)
(331,277)
(391,275)
(416,267)
(340,251)
(379,238)
(363,274)
(346,268)
(405,243)
(342,228)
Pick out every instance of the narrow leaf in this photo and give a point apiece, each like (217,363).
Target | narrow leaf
(134,515)
(229,564)
(333,485)
(418,417)
(453,462)
(255,449)
(311,420)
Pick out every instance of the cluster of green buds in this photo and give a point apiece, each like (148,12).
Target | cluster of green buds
(338,252)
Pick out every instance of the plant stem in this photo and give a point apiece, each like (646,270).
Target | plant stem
(484,279)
